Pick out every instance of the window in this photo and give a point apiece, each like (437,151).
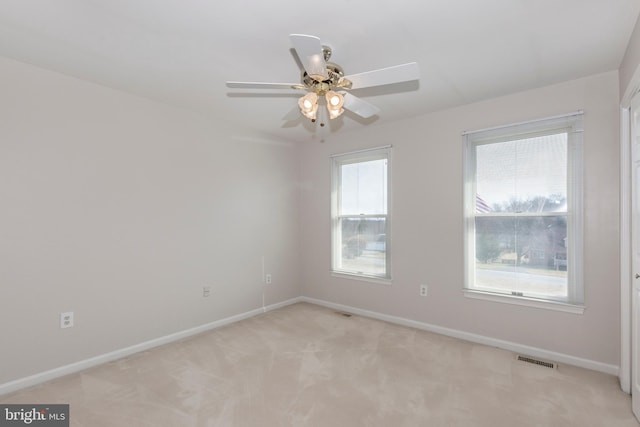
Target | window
(360,213)
(523,210)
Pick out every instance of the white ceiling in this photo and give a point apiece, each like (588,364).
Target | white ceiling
(182,51)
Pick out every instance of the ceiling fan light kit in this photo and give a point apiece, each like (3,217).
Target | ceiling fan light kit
(335,101)
(321,78)
(309,105)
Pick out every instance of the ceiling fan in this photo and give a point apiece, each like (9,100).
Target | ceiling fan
(324,79)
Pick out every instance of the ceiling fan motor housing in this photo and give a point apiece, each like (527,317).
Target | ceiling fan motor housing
(335,80)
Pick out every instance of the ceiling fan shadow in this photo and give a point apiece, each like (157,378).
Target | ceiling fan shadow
(291,123)
(295,57)
(317,127)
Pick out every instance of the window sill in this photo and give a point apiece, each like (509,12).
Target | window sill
(528,302)
(370,279)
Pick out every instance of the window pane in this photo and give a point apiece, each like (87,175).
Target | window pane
(364,245)
(525,175)
(526,255)
(363,188)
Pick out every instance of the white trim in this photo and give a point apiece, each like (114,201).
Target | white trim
(625,251)
(362,278)
(81,365)
(42,377)
(475,338)
(528,302)
(526,122)
(364,150)
(630,94)
(633,88)
(519,214)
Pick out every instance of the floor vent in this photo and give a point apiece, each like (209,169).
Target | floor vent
(538,362)
(343,314)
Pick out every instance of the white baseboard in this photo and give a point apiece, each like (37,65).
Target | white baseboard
(42,377)
(39,378)
(480,339)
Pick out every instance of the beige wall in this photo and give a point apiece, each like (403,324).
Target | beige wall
(427,224)
(121,209)
(630,62)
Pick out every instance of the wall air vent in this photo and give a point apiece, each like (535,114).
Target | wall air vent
(533,361)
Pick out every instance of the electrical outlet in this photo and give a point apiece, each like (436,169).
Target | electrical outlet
(206,291)
(267,279)
(423,290)
(66,320)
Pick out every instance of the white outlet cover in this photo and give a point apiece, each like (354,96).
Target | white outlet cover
(66,320)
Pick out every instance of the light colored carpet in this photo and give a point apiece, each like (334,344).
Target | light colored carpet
(305,365)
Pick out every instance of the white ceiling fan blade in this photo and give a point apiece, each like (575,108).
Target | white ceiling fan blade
(385,76)
(261,85)
(359,106)
(309,50)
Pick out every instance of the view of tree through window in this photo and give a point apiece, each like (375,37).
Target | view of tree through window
(521,218)
(521,228)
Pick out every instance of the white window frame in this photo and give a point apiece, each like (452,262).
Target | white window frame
(572,124)
(338,160)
